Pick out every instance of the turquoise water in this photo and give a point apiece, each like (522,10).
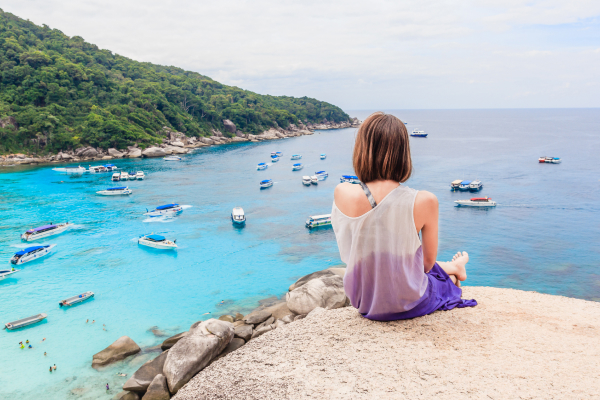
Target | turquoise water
(543,235)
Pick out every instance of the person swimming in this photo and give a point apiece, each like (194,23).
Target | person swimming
(22,346)
(27,341)
(51,368)
(55,367)
(30,347)
(44,353)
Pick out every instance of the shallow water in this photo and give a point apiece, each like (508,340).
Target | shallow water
(543,235)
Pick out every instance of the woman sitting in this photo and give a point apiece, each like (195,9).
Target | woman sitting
(391,272)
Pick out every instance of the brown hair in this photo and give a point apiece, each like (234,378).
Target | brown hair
(382,150)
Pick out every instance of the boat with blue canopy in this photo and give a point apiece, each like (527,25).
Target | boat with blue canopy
(115,191)
(296,157)
(157,242)
(45,231)
(322,175)
(266,183)
(464,186)
(261,166)
(274,158)
(316,221)
(349,179)
(297,167)
(323,156)
(30,254)
(167,209)
(71,301)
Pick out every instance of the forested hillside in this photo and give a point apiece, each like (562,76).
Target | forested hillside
(59,92)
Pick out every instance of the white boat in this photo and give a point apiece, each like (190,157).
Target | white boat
(475,186)
(322,175)
(30,254)
(45,231)
(116,177)
(476,202)
(555,160)
(237,216)
(124,176)
(266,183)
(278,154)
(115,191)
(110,167)
(140,175)
(76,299)
(297,167)
(5,273)
(261,166)
(296,157)
(25,321)
(464,186)
(132,175)
(349,179)
(167,209)
(454,185)
(314,180)
(157,242)
(274,158)
(323,156)
(306,180)
(316,221)
(97,169)
(417,133)
(71,170)
(172,158)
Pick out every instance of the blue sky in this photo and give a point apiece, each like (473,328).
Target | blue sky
(356,54)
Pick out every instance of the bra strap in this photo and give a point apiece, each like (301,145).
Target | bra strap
(369,195)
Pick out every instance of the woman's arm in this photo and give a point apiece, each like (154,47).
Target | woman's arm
(426,215)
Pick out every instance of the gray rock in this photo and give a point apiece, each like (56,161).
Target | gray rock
(158,389)
(289,318)
(154,152)
(298,317)
(123,347)
(278,324)
(227,318)
(279,310)
(107,158)
(195,351)
(338,271)
(243,332)
(261,331)
(269,321)
(115,153)
(238,139)
(206,140)
(326,291)
(239,317)
(256,317)
(134,153)
(309,277)
(177,143)
(238,323)
(229,126)
(168,343)
(87,152)
(235,344)
(126,396)
(142,378)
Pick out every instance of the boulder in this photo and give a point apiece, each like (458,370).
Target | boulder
(238,139)
(87,152)
(154,152)
(278,311)
(238,323)
(115,153)
(123,347)
(206,140)
(226,317)
(229,126)
(158,389)
(168,343)
(338,271)
(288,318)
(326,292)
(256,317)
(126,396)
(243,332)
(269,321)
(178,150)
(177,143)
(239,317)
(142,378)
(298,317)
(310,277)
(195,351)
(107,158)
(235,344)
(278,324)
(261,331)
(134,153)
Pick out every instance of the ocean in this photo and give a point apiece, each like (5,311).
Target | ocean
(544,234)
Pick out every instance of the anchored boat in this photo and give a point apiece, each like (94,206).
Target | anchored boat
(30,254)
(266,183)
(45,231)
(349,179)
(274,158)
(4,273)
(296,157)
(124,176)
(237,216)
(25,321)
(321,175)
(416,133)
(96,169)
(157,242)
(140,175)
(71,170)
(454,185)
(306,180)
(115,191)
(475,186)
(323,156)
(261,166)
(172,158)
(316,221)
(464,186)
(76,299)
(297,167)
(132,175)
(476,202)
(314,180)
(167,209)
(116,177)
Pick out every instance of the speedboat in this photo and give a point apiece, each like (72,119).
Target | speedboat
(550,160)
(555,160)
(124,176)
(349,179)
(110,167)
(167,209)
(172,158)
(297,167)
(45,231)
(4,273)
(140,175)
(157,241)
(116,177)
(475,186)
(296,157)
(454,185)
(274,158)
(266,183)
(321,175)
(542,159)
(25,321)
(278,154)
(97,169)
(316,221)
(70,170)
(417,133)
(306,180)
(76,299)
(314,180)
(30,254)
(261,166)
(237,216)
(476,202)
(115,191)
(464,186)
(323,156)
(132,175)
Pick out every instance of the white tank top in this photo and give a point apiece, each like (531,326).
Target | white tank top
(383,254)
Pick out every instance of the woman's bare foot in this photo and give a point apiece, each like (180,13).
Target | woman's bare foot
(460,260)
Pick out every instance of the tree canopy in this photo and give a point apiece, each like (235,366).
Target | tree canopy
(59,92)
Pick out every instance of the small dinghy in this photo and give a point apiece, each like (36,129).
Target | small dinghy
(321,175)
(25,321)
(476,202)
(349,179)
(274,158)
(306,180)
(71,170)
(314,180)
(296,157)
(167,209)
(297,167)
(115,191)
(261,166)
(5,273)
(237,216)
(45,231)
(116,177)
(316,221)
(76,299)
(323,156)
(30,254)
(172,158)
(157,242)
(140,175)
(267,183)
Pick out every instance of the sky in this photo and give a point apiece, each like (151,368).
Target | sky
(423,54)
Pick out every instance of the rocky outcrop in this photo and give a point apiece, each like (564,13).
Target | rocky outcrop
(305,279)
(142,378)
(114,153)
(86,152)
(177,143)
(168,343)
(120,349)
(235,344)
(158,389)
(196,350)
(126,396)
(154,152)
(134,153)
(257,317)
(229,126)
(326,292)
(243,332)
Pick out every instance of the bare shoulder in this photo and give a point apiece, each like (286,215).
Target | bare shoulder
(426,200)
(347,191)
(351,200)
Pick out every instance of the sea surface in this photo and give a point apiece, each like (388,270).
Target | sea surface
(544,235)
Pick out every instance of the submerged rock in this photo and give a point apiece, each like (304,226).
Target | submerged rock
(227,318)
(256,317)
(142,378)
(158,389)
(168,343)
(326,292)
(123,347)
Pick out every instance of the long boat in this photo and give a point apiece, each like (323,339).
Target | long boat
(4,273)
(45,231)
(76,299)
(25,321)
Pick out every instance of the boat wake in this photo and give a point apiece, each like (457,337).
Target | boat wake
(185,207)
(162,218)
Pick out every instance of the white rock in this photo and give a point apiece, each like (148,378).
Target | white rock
(327,292)
(154,152)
